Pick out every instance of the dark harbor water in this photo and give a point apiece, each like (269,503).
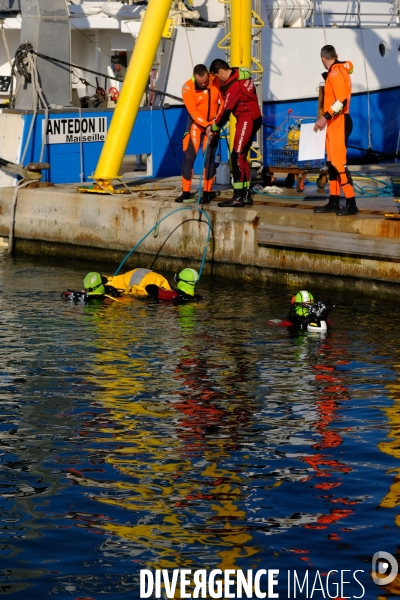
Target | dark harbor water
(142,435)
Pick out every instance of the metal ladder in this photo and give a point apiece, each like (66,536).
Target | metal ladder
(256,161)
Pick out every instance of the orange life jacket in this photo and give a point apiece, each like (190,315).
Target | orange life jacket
(202,103)
(337,88)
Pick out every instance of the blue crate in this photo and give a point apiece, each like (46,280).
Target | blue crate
(283,146)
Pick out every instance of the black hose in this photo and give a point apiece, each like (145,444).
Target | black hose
(165,94)
(20,62)
(206,24)
(383,155)
(20,66)
(63,62)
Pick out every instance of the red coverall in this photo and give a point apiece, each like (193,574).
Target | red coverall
(202,105)
(240,99)
(338,87)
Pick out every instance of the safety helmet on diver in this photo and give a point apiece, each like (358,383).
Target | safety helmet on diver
(94,284)
(302,298)
(187,280)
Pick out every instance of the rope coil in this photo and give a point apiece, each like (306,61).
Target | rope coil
(25,66)
(365,191)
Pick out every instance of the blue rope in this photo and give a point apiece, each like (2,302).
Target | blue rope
(196,207)
(201,211)
(201,172)
(204,162)
(371,192)
(202,167)
(366,191)
(163,219)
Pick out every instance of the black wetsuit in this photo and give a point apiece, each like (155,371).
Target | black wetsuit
(313,313)
(84,297)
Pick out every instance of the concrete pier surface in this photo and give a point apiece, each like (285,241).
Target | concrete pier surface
(277,236)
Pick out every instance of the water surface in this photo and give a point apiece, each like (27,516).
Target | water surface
(145,435)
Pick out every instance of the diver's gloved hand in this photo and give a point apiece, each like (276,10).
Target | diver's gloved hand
(75,296)
(158,292)
(152,290)
(214,132)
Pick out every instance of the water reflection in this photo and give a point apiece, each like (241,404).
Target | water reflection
(391,447)
(168,444)
(145,435)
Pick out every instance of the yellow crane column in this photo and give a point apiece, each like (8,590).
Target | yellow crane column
(240,43)
(132,91)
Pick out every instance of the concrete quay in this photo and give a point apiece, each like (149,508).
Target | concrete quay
(276,237)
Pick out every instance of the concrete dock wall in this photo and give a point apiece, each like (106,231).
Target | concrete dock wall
(60,220)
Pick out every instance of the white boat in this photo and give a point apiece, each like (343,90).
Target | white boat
(365,32)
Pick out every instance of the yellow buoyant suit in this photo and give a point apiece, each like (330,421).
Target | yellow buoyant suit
(134,282)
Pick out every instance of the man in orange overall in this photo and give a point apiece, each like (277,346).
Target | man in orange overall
(202,98)
(336,116)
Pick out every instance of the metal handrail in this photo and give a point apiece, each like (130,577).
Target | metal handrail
(352,14)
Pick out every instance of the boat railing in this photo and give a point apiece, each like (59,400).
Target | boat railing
(316,13)
(356,18)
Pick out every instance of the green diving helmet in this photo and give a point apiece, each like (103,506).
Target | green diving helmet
(300,299)
(94,284)
(187,281)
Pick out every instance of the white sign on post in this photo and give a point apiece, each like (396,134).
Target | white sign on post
(72,130)
(312,143)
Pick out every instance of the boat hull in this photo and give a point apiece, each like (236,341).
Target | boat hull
(384,120)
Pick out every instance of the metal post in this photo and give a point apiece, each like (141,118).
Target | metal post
(241,25)
(240,44)
(133,88)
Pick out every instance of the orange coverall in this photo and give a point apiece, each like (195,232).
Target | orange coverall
(338,88)
(202,105)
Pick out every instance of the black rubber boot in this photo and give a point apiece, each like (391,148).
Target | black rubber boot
(349,209)
(236,200)
(331,207)
(207,197)
(248,200)
(183,196)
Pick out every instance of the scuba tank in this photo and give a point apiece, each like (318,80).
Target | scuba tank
(223,174)
(293,137)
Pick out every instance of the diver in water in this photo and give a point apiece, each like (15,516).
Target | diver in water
(132,283)
(138,282)
(308,315)
(186,281)
(96,288)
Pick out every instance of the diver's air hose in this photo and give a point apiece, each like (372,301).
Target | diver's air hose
(163,219)
(196,207)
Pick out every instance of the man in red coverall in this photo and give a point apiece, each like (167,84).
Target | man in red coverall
(240,100)
(336,116)
(202,98)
